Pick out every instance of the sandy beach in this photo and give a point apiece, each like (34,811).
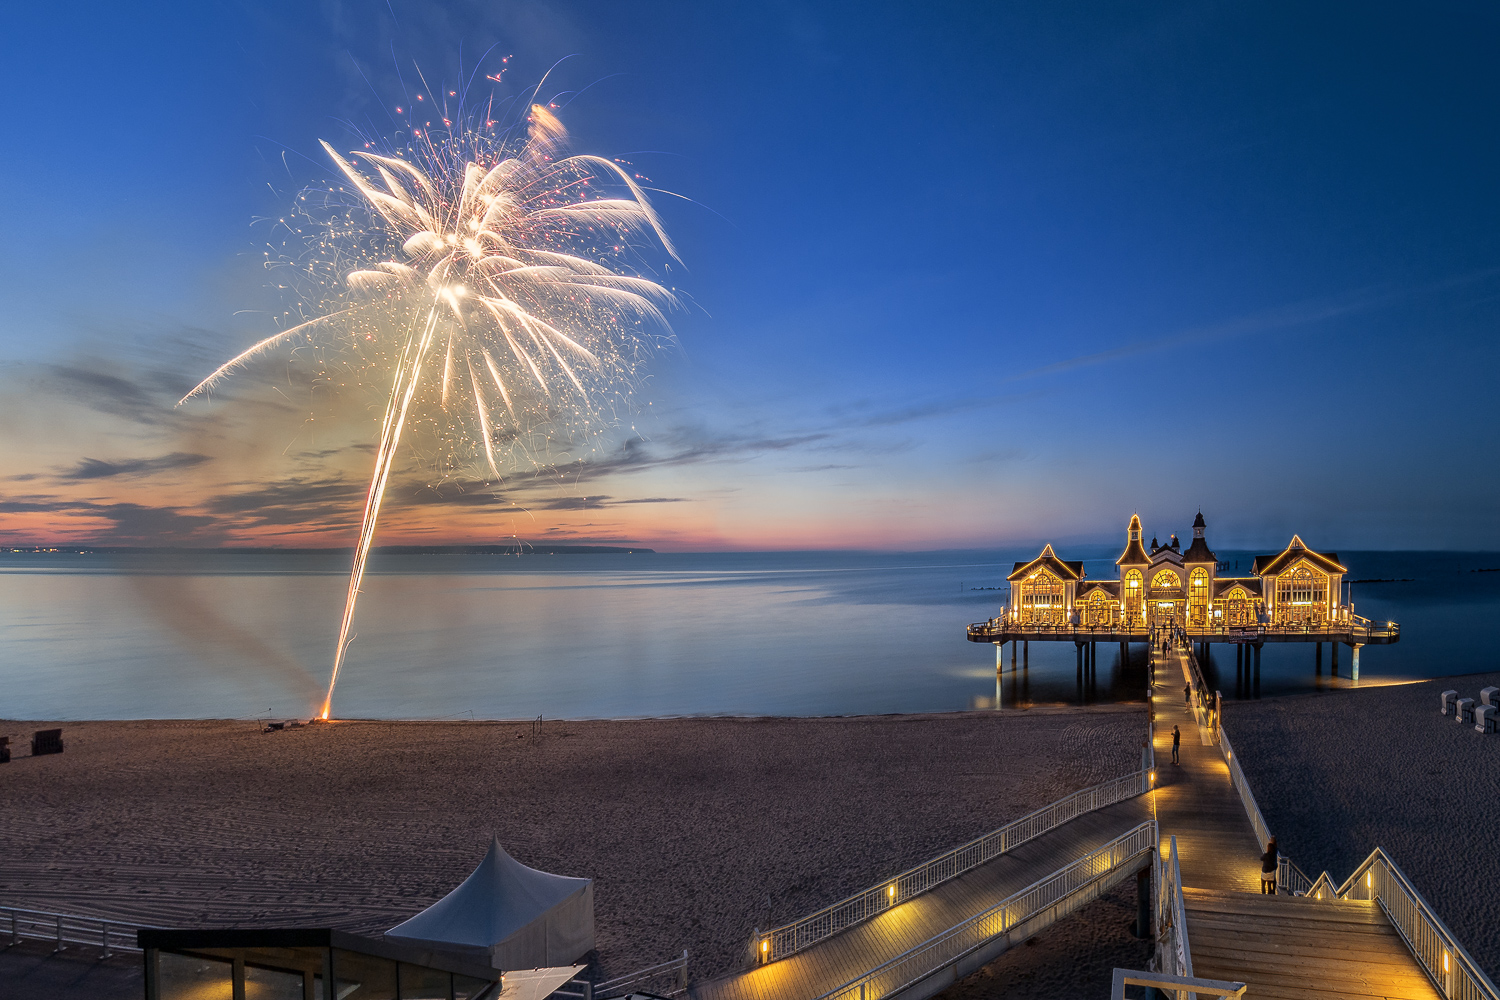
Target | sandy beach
(1340,773)
(695,830)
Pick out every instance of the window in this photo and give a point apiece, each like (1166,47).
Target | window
(1302,587)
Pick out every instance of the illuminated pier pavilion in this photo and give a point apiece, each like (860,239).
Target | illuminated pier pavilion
(1296,595)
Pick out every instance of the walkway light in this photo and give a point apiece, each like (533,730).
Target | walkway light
(1367,879)
(1445,962)
(890,893)
(765,949)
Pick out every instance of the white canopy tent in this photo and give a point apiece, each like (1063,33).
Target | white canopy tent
(518,917)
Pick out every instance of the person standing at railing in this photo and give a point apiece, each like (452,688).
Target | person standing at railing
(1176,743)
(1268,862)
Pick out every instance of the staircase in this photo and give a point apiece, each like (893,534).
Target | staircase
(1296,947)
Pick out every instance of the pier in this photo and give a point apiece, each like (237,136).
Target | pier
(1170,594)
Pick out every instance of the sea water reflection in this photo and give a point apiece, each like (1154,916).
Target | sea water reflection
(174,635)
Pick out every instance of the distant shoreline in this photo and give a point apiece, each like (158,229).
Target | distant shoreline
(519,549)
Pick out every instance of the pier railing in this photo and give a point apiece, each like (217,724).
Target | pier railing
(662,974)
(1174,956)
(1241,785)
(1062,892)
(1360,630)
(788,939)
(1431,942)
(63,929)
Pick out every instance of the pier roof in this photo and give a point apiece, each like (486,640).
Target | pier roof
(1296,549)
(1048,559)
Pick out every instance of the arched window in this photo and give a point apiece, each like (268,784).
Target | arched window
(1042,597)
(1166,580)
(1198,595)
(1240,609)
(1133,595)
(1301,595)
(1101,608)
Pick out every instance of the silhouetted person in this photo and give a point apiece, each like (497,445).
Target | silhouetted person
(1176,742)
(1268,862)
(1187,695)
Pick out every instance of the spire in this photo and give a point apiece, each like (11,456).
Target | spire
(1199,552)
(1133,555)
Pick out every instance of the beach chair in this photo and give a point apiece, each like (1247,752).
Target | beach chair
(45,741)
(1448,698)
(1487,696)
(1485,718)
(1464,709)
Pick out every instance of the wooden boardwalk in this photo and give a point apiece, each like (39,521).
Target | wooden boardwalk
(1296,948)
(1195,800)
(1283,947)
(833,962)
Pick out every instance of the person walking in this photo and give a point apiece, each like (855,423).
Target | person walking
(1176,742)
(1268,862)
(1187,695)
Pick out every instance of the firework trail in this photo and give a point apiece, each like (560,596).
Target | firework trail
(502,268)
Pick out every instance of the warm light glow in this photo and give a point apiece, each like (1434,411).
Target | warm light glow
(765,946)
(1367,879)
(1445,961)
(890,892)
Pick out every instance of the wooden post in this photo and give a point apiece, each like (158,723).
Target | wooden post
(1026,654)
(1333,667)
(1257,669)
(1354,662)
(1078,650)
(1318,660)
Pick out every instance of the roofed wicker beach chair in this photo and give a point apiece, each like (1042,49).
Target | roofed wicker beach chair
(46,741)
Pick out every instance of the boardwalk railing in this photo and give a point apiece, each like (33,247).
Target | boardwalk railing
(1430,940)
(675,972)
(1426,936)
(788,939)
(1290,879)
(1062,892)
(63,929)
(1173,954)
(1247,797)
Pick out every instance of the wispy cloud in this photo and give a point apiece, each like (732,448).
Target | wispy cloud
(93,468)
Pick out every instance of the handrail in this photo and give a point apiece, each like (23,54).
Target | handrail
(67,928)
(1173,953)
(1054,892)
(622,985)
(1430,941)
(1174,984)
(788,939)
(1291,879)
(1241,785)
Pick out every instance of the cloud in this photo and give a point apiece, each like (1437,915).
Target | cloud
(93,468)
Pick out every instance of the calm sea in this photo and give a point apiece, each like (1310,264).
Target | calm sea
(190,635)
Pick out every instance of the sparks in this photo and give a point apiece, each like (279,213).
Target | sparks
(511,290)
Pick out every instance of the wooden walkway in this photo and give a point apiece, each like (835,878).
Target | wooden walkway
(1282,947)
(831,963)
(1195,800)
(1296,948)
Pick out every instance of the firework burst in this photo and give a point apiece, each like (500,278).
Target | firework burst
(493,274)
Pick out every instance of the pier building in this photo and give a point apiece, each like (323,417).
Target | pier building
(1295,595)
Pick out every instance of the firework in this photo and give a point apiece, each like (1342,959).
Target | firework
(496,276)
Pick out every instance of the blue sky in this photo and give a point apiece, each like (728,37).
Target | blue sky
(962,274)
